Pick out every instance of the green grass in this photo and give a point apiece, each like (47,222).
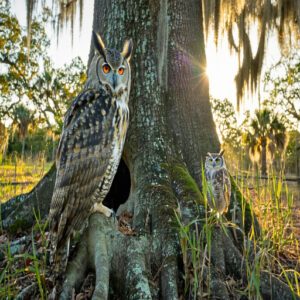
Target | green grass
(276,249)
(278,244)
(20,177)
(26,267)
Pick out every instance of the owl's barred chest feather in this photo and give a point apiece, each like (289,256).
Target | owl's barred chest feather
(96,125)
(120,123)
(219,189)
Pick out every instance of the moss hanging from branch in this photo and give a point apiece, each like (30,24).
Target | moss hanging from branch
(65,12)
(283,16)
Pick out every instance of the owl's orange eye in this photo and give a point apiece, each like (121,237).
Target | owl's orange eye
(106,68)
(121,71)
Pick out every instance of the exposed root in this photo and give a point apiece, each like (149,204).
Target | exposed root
(273,288)
(235,265)
(108,251)
(28,292)
(169,275)
(218,289)
(217,251)
(76,270)
(99,249)
(137,277)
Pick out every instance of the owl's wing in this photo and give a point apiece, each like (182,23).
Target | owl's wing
(82,159)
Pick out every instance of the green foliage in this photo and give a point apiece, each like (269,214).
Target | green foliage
(282,86)
(38,142)
(266,135)
(4,137)
(292,154)
(274,249)
(225,117)
(29,75)
(231,133)
(22,119)
(28,79)
(25,264)
(58,87)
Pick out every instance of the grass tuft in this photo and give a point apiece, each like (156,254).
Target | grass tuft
(275,249)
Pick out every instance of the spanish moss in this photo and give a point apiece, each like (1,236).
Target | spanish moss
(226,16)
(223,18)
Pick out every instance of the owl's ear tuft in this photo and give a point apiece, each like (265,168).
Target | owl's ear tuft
(208,154)
(221,152)
(127,49)
(98,43)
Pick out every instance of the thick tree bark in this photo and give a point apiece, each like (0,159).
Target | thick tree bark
(171,121)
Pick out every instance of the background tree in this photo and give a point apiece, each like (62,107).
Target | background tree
(231,133)
(4,138)
(226,120)
(55,89)
(30,75)
(265,135)
(171,120)
(282,87)
(292,163)
(23,119)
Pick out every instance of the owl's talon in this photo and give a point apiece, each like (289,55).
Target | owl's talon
(100,208)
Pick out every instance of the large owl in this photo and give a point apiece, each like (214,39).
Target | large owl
(90,147)
(218,182)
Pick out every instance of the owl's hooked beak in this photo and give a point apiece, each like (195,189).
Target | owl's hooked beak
(114,79)
(116,88)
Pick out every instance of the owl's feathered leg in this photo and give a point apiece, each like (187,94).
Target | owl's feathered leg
(99,207)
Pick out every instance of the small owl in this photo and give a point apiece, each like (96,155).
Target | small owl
(218,182)
(90,147)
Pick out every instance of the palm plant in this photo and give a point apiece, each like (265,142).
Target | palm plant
(266,134)
(23,118)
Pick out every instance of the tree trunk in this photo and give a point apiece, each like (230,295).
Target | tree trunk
(264,157)
(170,125)
(23,148)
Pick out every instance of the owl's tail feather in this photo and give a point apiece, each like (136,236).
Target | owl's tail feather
(59,260)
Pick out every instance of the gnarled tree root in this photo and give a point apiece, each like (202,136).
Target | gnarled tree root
(18,213)
(122,265)
(110,254)
(146,266)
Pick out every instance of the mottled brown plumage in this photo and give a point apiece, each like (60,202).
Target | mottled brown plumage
(90,148)
(218,183)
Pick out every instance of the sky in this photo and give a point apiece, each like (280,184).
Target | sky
(64,52)
(221,65)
